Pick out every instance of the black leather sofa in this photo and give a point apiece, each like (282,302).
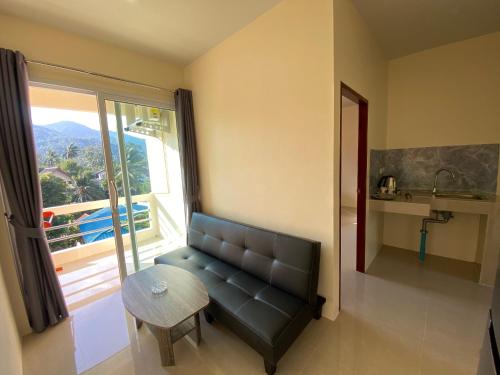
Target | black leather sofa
(261,284)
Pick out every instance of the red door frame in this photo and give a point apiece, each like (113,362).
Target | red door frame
(362,170)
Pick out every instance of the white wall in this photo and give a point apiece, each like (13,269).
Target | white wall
(349,181)
(360,63)
(171,215)
(264,122)
(10,344)
(444,96)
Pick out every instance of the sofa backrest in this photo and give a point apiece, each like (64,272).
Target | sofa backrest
(286,262)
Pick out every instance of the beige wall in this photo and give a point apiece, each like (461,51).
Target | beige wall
(10,344)
(458,239)
(10,276)
(40,42)
(444,96)
(349,179)
(360,64)
(264,112)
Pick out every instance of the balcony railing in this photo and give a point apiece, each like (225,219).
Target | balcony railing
(79,234)
(67,240)
(89,270)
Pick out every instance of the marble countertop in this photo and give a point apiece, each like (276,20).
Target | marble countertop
(421,203)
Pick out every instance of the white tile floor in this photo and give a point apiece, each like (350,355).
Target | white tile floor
(400,318)
(436,312)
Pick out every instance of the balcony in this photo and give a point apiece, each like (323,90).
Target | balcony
(88,270)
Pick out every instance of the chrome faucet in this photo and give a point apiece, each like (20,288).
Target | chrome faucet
(438,172)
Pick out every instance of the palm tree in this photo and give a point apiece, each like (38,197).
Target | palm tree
(137,167)
(71,167)
(85,188)
(71,151)
(51,158)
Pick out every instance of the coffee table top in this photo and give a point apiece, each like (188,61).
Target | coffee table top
(185,297)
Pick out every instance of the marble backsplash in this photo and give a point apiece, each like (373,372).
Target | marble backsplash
(475,167)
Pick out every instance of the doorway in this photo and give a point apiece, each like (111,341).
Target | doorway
(353,179)
(111,186)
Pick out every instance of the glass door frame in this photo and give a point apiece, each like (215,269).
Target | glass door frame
(101,98)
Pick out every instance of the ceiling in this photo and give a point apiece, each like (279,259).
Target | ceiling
(181,30)
(176,30)
(403,27)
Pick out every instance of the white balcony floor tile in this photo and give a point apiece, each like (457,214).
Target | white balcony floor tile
(92,278)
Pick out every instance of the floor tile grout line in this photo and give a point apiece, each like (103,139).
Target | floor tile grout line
(424,334)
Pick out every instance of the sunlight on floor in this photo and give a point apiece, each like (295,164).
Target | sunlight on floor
(97,276)
(100,331)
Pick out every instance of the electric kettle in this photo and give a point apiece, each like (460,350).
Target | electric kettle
(387,185)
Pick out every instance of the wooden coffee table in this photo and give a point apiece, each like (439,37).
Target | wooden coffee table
(172,315)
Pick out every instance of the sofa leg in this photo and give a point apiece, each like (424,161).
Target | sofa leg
(208,317)
(319,307)
(270,367)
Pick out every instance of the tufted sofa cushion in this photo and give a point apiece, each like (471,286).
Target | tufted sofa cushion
(264,309)
(280,260)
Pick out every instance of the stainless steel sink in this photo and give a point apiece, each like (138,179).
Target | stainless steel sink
(469,196)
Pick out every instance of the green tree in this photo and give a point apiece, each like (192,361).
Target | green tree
(55,191)
(138,171)
(71,167)
(57,233)
(51,158)
(85,188)
(71,151)
(92,158)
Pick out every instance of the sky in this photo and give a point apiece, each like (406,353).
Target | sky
(45,116)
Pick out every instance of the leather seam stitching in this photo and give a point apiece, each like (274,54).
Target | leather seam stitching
(239,287)
(274,307)
(243,305)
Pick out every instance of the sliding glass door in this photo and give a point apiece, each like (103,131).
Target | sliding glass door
(111,184)
(77,213)
(139,138)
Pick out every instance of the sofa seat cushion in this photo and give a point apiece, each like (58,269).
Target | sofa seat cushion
(262,308)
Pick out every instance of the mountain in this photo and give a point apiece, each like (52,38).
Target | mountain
(59,135)
(75,129)
(43,133)
(47,138)
(81,131)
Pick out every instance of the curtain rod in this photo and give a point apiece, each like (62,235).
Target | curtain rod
(36,62)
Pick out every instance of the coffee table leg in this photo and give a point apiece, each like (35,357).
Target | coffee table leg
(138,323)
(166,347)
(198,328)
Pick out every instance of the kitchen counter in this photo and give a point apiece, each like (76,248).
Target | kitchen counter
(419,206)
(422,203)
